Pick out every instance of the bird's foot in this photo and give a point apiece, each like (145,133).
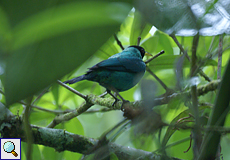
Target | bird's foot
(124,105)
(116,100)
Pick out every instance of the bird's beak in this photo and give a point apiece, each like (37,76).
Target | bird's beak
(148,54)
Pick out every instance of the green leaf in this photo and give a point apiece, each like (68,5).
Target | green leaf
(164,41)
(5,32)
(41,118)
(66,18)
(139,28)
(74,126)
(55,92)
(36,152)
(49,153)
(186,18)
(211,62)
(160,41)
(53,42)
(108,49)
(69,155)
(171,130)
(166,62)
(113,156)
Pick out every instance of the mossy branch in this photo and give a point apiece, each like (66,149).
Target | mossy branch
(107,102)
(62,140)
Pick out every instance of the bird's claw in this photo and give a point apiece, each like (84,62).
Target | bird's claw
(116,100)
(125,103)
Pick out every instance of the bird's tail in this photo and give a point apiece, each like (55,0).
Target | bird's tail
(74,80)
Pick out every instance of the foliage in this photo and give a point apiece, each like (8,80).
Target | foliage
(44,42)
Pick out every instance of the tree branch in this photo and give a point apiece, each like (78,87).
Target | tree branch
(13,128)
(68,116)
(107,102)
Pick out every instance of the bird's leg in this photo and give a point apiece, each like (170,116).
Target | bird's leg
(116,99)
(123,101)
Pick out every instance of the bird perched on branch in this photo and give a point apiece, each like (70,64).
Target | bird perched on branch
(118,73)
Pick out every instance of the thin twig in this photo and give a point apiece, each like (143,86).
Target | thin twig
(71,89)
(210,47)
(194,57)
(48,110)
(118,42)
(68,116)
(226,48)
(115,127)
(190,144)
(158,79)
(220,48)
(180,46)
(98,110)
(158,54)
(138,40)
(40,95)
(201,72)
(2,92)
(184,52)
(173,144)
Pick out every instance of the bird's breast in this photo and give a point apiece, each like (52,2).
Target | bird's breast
(121,81)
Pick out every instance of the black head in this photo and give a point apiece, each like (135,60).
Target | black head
(142,50)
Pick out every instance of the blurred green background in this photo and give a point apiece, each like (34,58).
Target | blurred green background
(42,41)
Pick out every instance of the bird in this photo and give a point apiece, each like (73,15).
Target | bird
(118,73)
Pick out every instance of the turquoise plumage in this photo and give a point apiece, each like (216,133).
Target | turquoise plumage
(119,72)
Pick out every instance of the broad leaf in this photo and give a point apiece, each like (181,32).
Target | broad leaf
(140,28)
(186,18)
(53,42)
(171,130)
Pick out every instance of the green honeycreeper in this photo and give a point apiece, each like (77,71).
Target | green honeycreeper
(118,73)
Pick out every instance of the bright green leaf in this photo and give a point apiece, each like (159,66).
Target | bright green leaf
(159,41)
(140,28)
(166,62)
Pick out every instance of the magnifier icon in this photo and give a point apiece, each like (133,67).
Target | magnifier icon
(9,147)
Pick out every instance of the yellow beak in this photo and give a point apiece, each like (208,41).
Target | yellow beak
(148,54)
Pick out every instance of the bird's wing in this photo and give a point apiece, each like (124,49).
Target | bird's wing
(120,64)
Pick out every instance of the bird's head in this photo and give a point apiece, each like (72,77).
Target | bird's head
(141,49)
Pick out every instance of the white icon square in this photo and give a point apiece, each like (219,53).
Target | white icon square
(10,148)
